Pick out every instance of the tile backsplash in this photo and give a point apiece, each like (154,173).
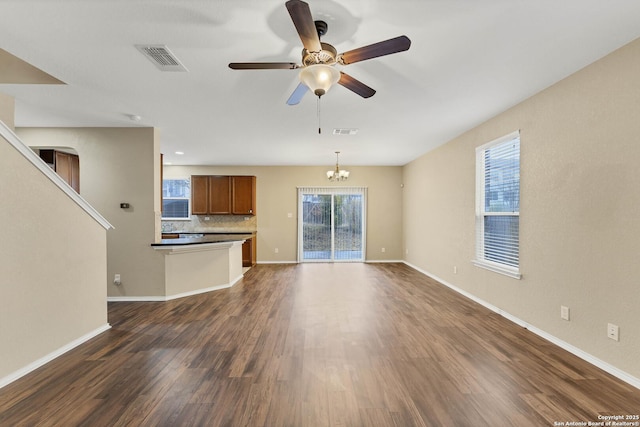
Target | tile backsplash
(212,224)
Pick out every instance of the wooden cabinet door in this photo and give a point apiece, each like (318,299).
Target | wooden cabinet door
(75,173)
(243,190)
(63,166)
(249,252)
(219,195)
(68,167)
(199,194)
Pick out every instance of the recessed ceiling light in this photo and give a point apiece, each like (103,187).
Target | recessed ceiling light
(180,153)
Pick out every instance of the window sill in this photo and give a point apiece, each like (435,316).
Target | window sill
(496,268)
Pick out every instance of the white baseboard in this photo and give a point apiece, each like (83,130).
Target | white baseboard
(49,357)
(624,376)
(277,262)
(369,261)
(163,298)
(390,261)
(141,298)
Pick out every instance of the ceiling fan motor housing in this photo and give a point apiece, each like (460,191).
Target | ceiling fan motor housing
(321,27)
(327,55)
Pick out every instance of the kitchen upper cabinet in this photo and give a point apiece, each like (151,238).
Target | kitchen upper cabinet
(199,194)
(243,193)
(66,165)
(223,195)
(219,195)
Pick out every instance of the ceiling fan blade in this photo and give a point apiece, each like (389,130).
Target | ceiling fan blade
(263,66)
(355,86)
(303,21)
(297,94)
(387,47)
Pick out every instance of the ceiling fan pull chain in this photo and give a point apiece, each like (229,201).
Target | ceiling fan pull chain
(319,127)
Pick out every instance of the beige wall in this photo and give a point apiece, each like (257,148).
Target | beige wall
(118,165)
(580,210)
(7,110)
(276,190)
(53,263)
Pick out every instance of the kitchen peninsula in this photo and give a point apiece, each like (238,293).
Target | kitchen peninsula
(194,265)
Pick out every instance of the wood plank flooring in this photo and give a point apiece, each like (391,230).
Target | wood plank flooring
(315,345)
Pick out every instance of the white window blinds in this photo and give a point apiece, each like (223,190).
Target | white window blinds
(498,205)
(176,194)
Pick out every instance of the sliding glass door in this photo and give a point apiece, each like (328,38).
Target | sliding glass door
(348,242)
(331,224)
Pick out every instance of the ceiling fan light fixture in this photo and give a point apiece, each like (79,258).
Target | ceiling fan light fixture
(319,78)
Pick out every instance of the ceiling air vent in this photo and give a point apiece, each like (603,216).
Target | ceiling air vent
(161,57)
(345,131)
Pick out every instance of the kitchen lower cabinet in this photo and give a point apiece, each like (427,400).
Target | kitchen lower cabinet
(170,236)
(249,252)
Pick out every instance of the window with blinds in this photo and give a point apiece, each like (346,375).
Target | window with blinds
(176,194)
(498,205)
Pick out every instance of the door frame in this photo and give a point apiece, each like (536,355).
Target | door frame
(331,191)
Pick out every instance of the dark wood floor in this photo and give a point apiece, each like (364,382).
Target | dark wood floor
(315,345)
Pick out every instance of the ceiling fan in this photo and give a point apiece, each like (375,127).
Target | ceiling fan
(318,73)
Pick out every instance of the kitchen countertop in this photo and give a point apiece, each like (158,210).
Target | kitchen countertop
(206,238)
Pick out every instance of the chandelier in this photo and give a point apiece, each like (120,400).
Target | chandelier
(337,174)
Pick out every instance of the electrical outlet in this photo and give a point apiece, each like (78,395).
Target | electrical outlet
(383,250)
(564,312)
(455,270)
(406,251)
(613,332)
(116,280)
(276,250)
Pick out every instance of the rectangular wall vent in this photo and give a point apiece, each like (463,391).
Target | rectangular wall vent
(161,57)
(345,131)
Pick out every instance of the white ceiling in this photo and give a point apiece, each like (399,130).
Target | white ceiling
(469,60)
